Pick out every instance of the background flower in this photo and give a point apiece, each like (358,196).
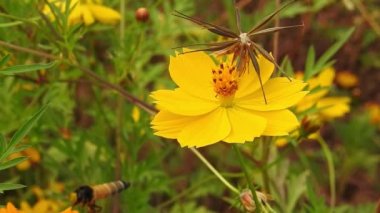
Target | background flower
(325,107)
(86,12)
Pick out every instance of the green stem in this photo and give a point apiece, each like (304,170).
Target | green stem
(213,170)
(250,184)
(265,158)
(330,165)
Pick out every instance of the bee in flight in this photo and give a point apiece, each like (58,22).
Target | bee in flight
(87,195)
(240,44)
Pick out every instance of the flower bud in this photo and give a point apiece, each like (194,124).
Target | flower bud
(142,14)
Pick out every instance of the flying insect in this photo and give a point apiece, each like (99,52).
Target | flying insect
(87,195)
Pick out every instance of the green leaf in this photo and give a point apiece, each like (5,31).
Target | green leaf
(10,186)
(10,24)
(4,60)
(25,68)
(22,132)
(3,144)
(324,59)
(330,166)
(297,186)
(12,162)
(310,60)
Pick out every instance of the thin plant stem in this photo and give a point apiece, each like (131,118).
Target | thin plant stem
(90,73)
(190,189)
(250,184)
(366,15)
(120,116)
(213,170)
(276,34)
(330,165)
(265,158)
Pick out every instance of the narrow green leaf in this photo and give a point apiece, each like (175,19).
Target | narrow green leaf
(13,162)
(10,24)
(25,68)
(23,131)
(10,186)
(4,60)
(310,60)
(324,59)
(330,165)
(3,145)
(20,148)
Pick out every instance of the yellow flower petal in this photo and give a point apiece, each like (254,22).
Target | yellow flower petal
(245,125)
(33,154)
(310,100)
(280,93)
(75,16)
(333,107)
(179,102)
(281,142)
(249,84)
(104,14)
(326,77)
(169,125)
(347,79)
(279,122)
(88,17)
(69,210)
(192,72)
(135,114)
(11,208)
(207,129)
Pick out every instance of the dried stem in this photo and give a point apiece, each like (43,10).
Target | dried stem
(88,72)
(276,34)
(371,21)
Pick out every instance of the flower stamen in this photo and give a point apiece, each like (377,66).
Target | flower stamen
(225,83)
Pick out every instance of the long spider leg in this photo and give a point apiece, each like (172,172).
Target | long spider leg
(206,44)
(211,27)
(239,59)
(271,59)
(237,14)
(252,55)
(211,49)
(274,29)
(268,18)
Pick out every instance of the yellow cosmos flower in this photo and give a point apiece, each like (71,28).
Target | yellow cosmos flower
(346,79)
(33,158)
(69,210)
(42,206)
(9,208)
(213,103)
(328,107)
(85,11)
(373,110)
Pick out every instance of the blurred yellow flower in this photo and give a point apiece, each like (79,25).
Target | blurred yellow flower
(85,11)
(135,114)
(42,206)
(69,210)
(346,79)
(214,103)
(33,158)
(9,208)
(327,107)
(373,110)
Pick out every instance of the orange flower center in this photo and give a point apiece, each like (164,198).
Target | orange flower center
(225,82)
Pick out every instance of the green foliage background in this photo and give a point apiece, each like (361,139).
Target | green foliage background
(86,132)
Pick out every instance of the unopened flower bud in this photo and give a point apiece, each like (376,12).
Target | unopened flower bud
(142,14)
(246,198)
